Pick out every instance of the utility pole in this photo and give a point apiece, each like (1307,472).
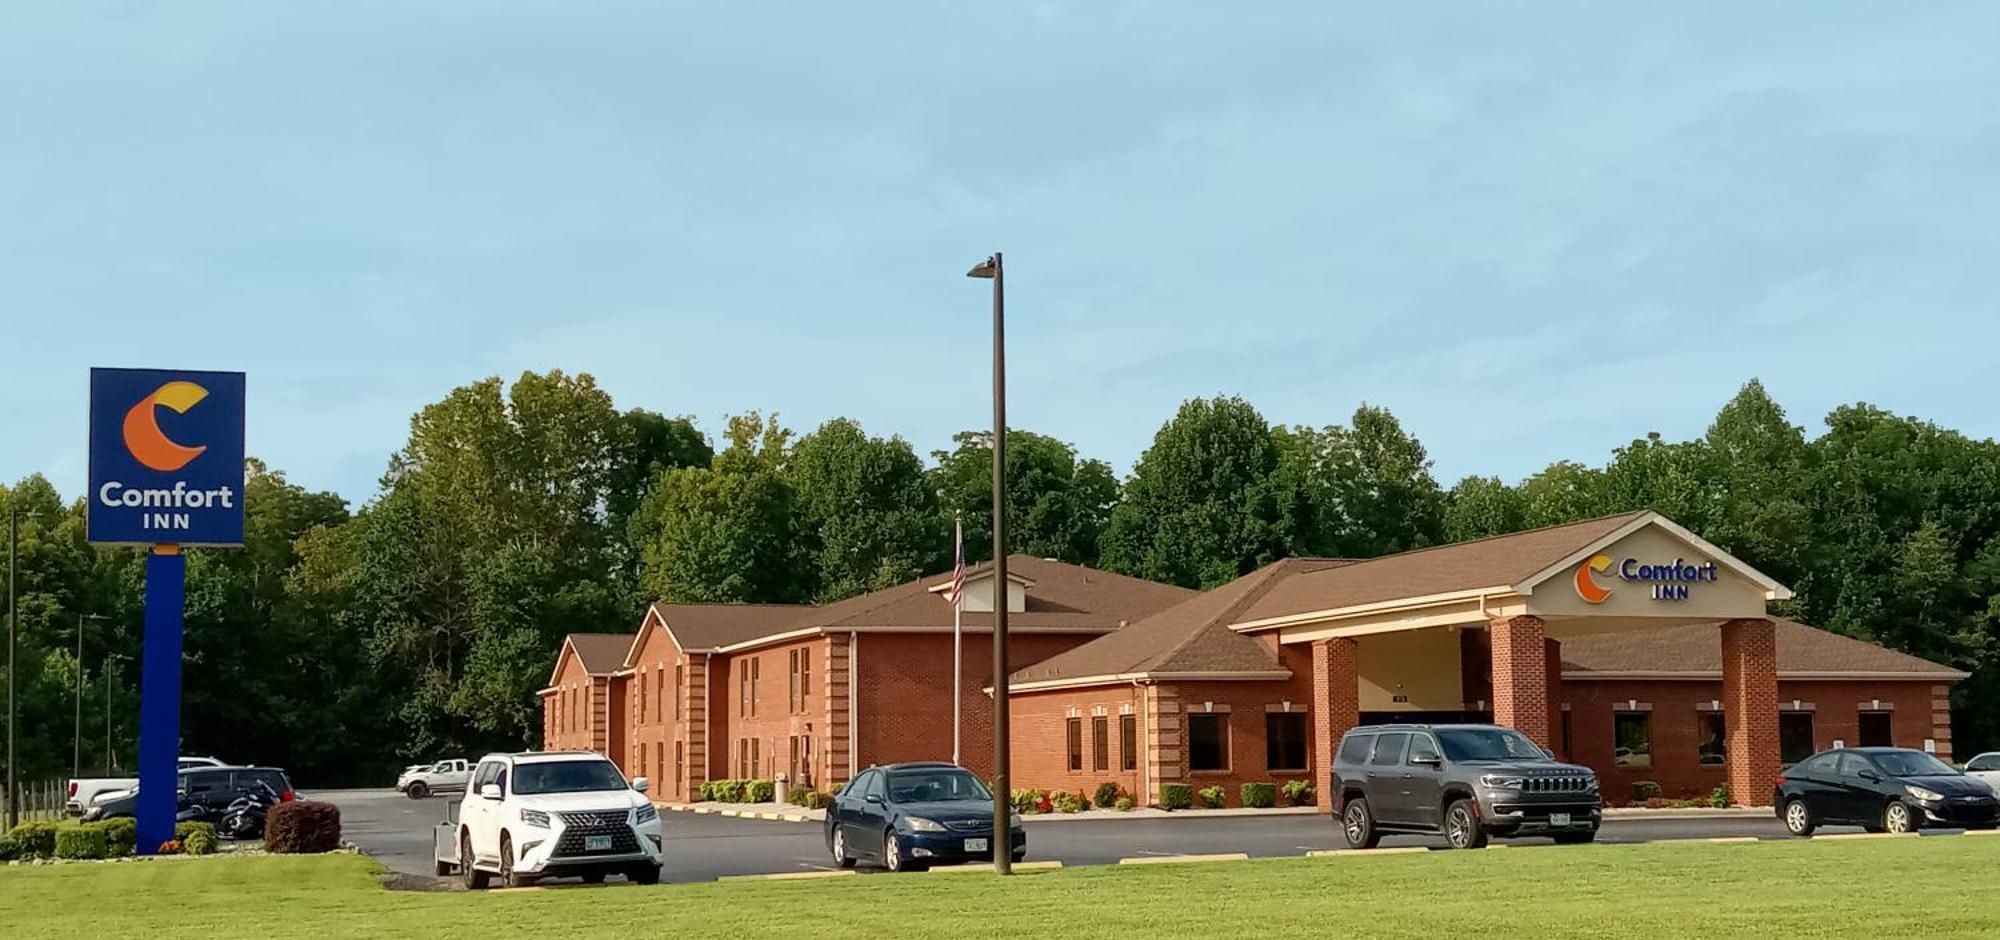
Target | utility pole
(13,614)
(76,750)
(1003,803)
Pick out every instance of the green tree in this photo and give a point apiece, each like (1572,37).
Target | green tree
(726,533)
(1478,507)
(866,513)
(1199,508)
(1057,503)
(1382,480)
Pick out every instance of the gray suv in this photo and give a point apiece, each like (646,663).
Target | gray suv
(1467,782)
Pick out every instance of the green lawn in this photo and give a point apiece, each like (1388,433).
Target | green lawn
(1932,888)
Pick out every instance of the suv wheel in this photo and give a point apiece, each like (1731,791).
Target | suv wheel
(475,880)
(1357,823)
(508,877)
(841,858)
(417,790)
(1461,825)
(1799,819)
(1896,818)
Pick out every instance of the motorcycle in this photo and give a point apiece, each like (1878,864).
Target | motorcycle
(244,817)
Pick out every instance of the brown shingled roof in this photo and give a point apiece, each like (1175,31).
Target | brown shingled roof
(1190,637)
(1462,566)
(1694,650)
(1062,596)
(601,653)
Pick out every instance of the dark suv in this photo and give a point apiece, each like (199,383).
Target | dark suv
(1467,782)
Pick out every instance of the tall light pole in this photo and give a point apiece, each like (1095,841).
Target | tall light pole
(14,515)
(1003,804)
(76,750)
(108,659)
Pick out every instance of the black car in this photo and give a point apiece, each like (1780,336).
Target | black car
(1884,789)
(907,817)
(206,791)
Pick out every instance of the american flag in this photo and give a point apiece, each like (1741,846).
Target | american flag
(957,588)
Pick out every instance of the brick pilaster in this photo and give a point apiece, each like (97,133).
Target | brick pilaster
(1941,720)
(1336,708)
(1520,677)
(1750,709)
(837,764)
(1166,755)
(694,704)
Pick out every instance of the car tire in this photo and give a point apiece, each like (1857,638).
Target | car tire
(443,869)
(475,880)
(1462,828)
(1576,838)
(1357,824)
(644,875)
(840,857)
(892,854)
(1799,818)
(509,878)
(1898,818)
(593,877)
(417,791)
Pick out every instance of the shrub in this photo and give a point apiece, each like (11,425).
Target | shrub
(1259,795)
(301,827)
(1107,794)
(10,848)
(1643,790)
(1654,802)
(1176,796)
(760,791)
(1297,792)
(184,829)
(121,835)
(1124,804)
(169,847)
(1067,802)
(34,840)
(816,800)
(1719,797)
(1212,797)
(80,842)
(200,842)
(1027,801)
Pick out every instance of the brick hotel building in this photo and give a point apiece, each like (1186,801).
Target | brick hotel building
(1626,643)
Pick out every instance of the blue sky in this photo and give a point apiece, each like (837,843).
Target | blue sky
(1531,232)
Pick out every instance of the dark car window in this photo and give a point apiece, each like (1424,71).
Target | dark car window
(1354,748)
(567,776)
(249,779)
(1985,762)
(1422,748)
(1819,764)
(1852,764)
(858,787)
(1467,744)
(933,786)
(1912,764)
(210,782)
(1389,749)
(488,772)
(876,787)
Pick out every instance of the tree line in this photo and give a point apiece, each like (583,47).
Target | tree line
(341,642)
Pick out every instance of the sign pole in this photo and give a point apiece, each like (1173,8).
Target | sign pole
(160,698)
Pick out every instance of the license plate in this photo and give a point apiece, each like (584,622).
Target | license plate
(975,845)
(597,843)
(1558,819)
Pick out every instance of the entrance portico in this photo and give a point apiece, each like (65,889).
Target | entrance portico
(1389,624)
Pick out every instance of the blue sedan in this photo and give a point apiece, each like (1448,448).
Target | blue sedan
(907,817)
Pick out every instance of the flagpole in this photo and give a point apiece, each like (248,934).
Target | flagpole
(957,634)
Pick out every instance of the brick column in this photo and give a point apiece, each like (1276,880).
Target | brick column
(1336,708)
(1166,753)
(1553,677)
(1750,709)
(1941,720)
(1521,677)
(695,703)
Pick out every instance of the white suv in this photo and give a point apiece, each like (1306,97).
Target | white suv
(555,814)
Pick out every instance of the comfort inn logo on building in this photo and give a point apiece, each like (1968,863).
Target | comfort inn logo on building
(1665,582)
(166,457)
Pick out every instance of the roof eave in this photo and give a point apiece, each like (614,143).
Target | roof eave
(1378,607)
(1700,675)
(1202,675)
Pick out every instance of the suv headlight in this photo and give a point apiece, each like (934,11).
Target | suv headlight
(1500,782)
(535,817)
(920,824)
(1928,796)
(645,814)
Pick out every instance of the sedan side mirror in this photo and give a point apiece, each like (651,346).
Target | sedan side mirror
(640,784)
(1871,776)
(873,798)
(490,791)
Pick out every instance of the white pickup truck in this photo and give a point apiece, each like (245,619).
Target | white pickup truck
(549,815)
(82,790)
(1985,767)
(445,776)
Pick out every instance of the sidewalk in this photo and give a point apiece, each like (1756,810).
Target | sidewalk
(786,812)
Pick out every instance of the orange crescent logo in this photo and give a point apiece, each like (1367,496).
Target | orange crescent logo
(143,437)
(1586,586)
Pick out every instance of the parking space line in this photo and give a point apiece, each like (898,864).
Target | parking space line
(1346,853)
(1181,859)
(792,875)
(1018,866)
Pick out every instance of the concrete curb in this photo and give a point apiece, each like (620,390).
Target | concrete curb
(1842,836)
(1640,814)
(1184,859)
(1092,815)
(1349,853)
(793,875)
(976,868)
(1981,832)
(700,809)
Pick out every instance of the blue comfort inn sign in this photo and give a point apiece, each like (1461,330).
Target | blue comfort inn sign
(166,457)
(166,470)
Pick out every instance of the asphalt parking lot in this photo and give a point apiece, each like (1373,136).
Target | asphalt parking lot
(397,831)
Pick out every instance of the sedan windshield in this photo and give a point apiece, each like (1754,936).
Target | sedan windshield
(570,776)
(1472,744)
(936,786)
(1912,764)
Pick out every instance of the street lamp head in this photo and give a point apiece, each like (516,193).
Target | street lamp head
(986,269)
